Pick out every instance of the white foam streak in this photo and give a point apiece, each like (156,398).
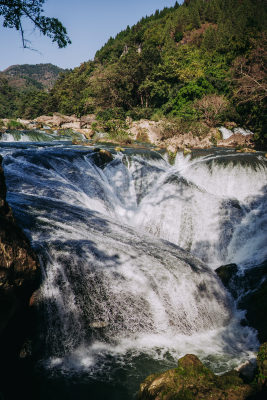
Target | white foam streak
(111,285)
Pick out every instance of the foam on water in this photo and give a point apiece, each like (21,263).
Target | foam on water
(112,287)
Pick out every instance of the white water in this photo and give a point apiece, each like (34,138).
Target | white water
(110,287)
(37,136)
(226,133)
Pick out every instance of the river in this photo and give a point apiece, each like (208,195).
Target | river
(128,248)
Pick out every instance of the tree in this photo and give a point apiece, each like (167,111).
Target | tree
(13,12)
(250,74)
(211,108)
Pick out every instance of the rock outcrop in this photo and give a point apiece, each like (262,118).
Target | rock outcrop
(191,380)
(144,130)
(19,278)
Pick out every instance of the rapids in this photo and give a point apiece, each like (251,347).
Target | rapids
(128,249)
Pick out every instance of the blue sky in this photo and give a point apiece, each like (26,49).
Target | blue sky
(89,24)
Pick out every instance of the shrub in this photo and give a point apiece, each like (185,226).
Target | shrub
(120,136)
(138,113)
(111,113)
(212,108)
(12,124)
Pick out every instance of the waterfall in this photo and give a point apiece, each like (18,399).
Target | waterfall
(212,206)
(39,136)
(128,250)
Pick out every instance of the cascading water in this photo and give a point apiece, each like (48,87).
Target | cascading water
(118,301)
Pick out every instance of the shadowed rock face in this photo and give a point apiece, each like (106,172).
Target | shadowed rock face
(192,380)
(19,278)
(250,290)
(19,271)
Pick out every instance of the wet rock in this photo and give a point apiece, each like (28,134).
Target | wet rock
(192,380)
(226,273)
(247,370)
(19,277)
(102,157)
(250,288)
(255,304)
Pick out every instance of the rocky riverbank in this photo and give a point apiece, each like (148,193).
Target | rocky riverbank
(191,380)
(19,278)
(161,133)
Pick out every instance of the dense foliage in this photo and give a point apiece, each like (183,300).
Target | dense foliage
(202,61)
(24,89)
(25,76)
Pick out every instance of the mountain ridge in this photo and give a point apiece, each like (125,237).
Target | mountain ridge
(40,76)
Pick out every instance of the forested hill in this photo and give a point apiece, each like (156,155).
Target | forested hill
(204,60)
(41,76)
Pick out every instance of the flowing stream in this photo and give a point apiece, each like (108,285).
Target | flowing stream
(128,249)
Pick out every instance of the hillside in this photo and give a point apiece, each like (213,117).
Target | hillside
(202,61)
(199,64)
(40,76)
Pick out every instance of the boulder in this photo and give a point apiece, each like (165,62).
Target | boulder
(102,157)
(187,140)
(250,288)
(192,380)
(59,120)
(71,125)
(145,131)
(226,273)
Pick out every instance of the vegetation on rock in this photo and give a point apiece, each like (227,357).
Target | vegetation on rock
(192,380)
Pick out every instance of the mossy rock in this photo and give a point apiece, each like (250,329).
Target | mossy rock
(192,380)
(102,157)
(187,151)
(262,366)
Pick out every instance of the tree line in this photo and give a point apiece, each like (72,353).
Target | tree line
(204,60)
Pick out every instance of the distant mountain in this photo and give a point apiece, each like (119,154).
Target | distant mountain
(40,76)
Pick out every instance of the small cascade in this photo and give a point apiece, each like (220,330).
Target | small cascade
(38,136)
(208,206)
